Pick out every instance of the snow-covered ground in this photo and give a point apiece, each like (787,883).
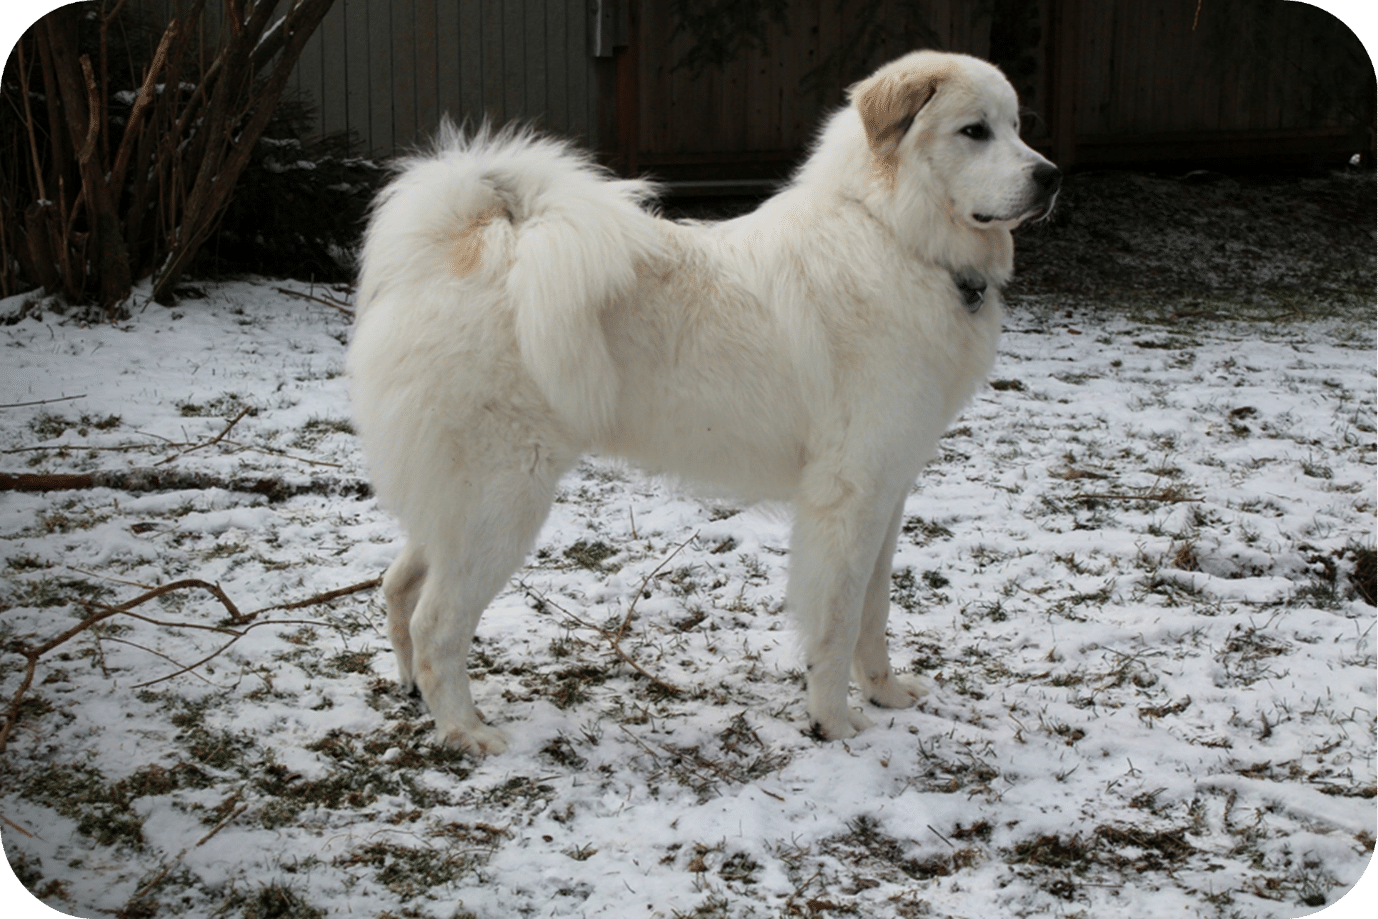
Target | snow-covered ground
(1133,579)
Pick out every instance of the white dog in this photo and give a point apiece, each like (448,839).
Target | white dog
(518,308)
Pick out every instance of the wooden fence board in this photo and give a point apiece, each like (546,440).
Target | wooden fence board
(469,37)
(426,39)
(388,70)
(332,103)
(556,75)
(406,73)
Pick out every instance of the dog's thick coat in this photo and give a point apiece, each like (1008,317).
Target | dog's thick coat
(518,308)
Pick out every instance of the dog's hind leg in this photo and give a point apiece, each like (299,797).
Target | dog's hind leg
(489,535)
(871,666)
(402,588)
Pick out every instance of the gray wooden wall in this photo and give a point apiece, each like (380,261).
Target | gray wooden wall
(388,70)
(1116,80)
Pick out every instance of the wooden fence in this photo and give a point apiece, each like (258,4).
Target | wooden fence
(388,70)
(1109,81)
(1140,80)
(757,112)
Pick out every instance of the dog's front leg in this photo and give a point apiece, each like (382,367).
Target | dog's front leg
(833,553)
(880,685)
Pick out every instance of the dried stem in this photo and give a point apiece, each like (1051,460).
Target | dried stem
(213,441)
(614,639)
(43,401)
(333,304)
(323,598)
(158,878)
(236,618)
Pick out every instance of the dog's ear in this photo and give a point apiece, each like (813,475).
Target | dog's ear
(888,104)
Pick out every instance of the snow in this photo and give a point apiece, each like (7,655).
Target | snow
(1126,578)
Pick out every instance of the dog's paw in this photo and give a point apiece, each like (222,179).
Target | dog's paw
(897,690)
(839,727)
(479,740)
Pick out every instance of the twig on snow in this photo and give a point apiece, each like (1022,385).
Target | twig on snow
(16,827)
(213,441)
(631,608)
(158,878)
(43,401)
(236,618)
(614,639)
(333,304)
(149,479)
(322,598)
(1168,496)
(31,655)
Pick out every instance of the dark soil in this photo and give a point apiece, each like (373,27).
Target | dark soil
(1209,235)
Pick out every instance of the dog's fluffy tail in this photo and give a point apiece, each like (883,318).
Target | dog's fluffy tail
(576,238)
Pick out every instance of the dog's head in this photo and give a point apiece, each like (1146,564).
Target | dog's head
(950,124)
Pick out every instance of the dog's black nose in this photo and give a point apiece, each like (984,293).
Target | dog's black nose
(1048,177)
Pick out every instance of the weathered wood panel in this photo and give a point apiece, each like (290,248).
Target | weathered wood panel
(389,70)
(1181,67)
(1165,72)
(765,105)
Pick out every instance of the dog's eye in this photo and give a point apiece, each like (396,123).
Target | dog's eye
(977,131)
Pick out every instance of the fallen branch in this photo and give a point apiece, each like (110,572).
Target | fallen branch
(213,441)
(31,655)
(220,650)
(88,448)
(16,827)
(43,401)
(322,598)
(271,452)
(236,618)
(631,609)
(694,761)
(139,480)
(333,304)
(1169,496)
(614,639)
(158,878)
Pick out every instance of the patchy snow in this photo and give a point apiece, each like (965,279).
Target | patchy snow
(1132,578)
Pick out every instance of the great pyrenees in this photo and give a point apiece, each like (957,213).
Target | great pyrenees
(519,307)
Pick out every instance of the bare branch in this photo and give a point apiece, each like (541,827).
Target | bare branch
(43,401)
(141,104)
(321,598)
(32,654)
(333,304)
(92,112)
(213,441)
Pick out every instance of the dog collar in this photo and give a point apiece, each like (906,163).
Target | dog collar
(973,291)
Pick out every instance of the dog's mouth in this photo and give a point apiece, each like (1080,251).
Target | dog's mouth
(1038,212)
(1047,208)
(992,220)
